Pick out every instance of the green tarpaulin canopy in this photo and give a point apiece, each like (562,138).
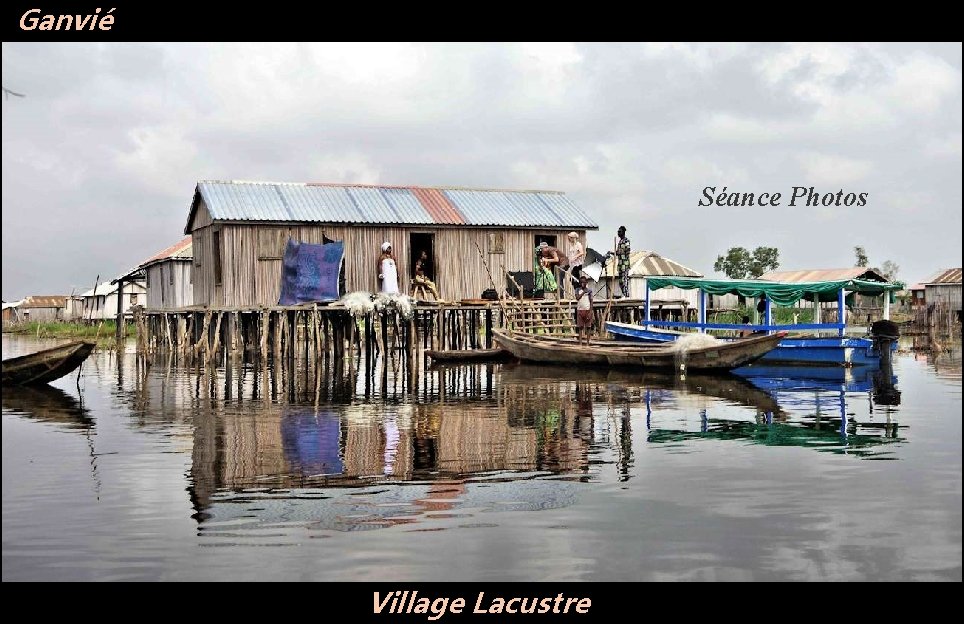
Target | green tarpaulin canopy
(783,294)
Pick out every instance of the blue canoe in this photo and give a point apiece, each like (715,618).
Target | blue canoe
(794,351)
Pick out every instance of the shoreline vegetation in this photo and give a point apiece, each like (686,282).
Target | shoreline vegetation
(101,332)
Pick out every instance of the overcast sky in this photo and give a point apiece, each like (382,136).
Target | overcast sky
(101,157)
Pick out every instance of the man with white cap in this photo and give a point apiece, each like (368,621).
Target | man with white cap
(388,269)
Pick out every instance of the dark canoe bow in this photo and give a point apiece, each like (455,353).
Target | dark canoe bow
(717,357)
(47,365)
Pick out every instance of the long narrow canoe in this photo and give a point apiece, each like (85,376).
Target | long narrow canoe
(717,357)
(45,366)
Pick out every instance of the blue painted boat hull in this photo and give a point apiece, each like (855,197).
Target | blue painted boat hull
(797,351)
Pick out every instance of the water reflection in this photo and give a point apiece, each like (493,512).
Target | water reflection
(352,446)
(52,405)
(48,404)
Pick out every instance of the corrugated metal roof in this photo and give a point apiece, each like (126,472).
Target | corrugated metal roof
(947,276)
(823,275)
(45,301)
(103,289)
(438,205)
(650,263)
(106,288)
(408,205)
(181,249)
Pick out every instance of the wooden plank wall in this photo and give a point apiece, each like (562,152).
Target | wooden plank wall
(169,285)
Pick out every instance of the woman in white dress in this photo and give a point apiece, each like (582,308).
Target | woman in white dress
(388,270)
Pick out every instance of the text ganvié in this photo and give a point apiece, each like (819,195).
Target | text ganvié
(36,19)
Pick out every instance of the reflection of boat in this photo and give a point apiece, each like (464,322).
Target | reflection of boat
(467,355)
(48,404)
(730,388)
(45,366)
(811,377)
(827,434)
(798,350)
(717,357)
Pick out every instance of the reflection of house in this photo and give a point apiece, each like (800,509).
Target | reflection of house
(643,264)
(101,303)
(43,308)
(943,287)
(240,230)
(292,446)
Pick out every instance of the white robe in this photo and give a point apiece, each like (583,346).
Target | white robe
(389,276)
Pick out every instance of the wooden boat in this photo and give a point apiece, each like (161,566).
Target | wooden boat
(47,365)
(467,355)
(794,350)
(717,357)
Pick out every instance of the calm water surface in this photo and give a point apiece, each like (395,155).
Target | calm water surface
(483,472)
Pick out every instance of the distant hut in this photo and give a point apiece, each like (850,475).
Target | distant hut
(240,229)
(100,303)
(917,295)
(11,312)
(167,276)
(44,308)
(644,264)
(944,288)
(824,275)
(74,308)
(860,304)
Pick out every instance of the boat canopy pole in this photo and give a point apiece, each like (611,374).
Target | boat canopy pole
(886,297)
(767,314)
(702,311)
(816,308)
(647,303)
(841,311)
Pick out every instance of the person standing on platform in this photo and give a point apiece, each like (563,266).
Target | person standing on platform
(622,261)
(584,315)
(388,269)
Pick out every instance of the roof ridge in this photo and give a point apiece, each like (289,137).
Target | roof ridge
(384,186)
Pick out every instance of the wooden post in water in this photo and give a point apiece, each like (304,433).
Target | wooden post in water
(119,330)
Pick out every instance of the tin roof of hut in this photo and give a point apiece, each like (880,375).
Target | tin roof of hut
(649,263)
(944,276)
(106,288)
(359,204)
(44,301)
(181,250)
(823,275)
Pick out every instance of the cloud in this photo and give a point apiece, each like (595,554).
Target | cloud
(111,138)
(832,170)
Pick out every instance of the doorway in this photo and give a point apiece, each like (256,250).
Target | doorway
(548,239)
(417,243)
